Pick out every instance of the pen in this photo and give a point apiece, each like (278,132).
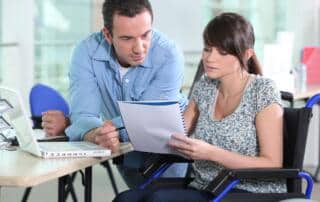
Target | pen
(120,128)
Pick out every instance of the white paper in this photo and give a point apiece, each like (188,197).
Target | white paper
(151,124)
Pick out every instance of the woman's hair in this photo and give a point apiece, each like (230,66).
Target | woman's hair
(233,34)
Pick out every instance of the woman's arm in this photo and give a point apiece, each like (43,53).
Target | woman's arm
(269,131)
(191,115)
(269,123)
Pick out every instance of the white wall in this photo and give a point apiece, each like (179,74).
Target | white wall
(181,20)
(305,20)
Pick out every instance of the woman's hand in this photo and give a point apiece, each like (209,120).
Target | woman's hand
(192,148)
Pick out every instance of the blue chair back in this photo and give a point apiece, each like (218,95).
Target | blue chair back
(43,98)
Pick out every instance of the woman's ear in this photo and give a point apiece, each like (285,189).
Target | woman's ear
(249,53)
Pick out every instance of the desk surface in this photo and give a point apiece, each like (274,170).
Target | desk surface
(309,92)
(18,168)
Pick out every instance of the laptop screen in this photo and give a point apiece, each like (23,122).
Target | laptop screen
(12,111)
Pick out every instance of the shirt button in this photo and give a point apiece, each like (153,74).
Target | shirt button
(127,80)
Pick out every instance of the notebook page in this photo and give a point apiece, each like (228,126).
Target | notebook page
(151,124)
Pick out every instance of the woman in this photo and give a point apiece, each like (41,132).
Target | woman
(234,117)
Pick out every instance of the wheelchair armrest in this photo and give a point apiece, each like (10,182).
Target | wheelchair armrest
(150,168)
(287,96)
(259,173)
(226,176)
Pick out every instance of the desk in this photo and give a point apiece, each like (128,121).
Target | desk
(22,169)
(309,92)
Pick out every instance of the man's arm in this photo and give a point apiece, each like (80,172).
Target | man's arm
(106,136)
(85,97)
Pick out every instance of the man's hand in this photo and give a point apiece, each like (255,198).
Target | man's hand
(106,136)
(54,122)
(193,148)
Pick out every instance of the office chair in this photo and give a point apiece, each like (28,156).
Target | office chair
(43,98)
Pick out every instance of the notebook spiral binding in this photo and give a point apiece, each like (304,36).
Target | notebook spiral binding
(182,118)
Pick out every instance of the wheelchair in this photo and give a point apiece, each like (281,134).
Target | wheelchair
(295,130)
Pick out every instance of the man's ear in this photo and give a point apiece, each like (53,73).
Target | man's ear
(107,35)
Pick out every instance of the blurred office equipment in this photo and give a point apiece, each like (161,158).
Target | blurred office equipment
(311,58)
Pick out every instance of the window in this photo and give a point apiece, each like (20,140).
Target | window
(184,21)
(280,28)
(51,28)
(8,44)
(59,25)
(0,43)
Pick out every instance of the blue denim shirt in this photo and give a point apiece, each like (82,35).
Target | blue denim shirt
(95,84)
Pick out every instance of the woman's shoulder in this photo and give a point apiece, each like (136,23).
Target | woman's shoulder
(265,92)
(261,81)
(262,84)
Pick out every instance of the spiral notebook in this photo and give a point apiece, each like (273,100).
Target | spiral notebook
(150,124)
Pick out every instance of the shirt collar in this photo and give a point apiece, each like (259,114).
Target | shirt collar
(147,61)
(105,52)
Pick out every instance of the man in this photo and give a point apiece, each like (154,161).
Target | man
(127,60)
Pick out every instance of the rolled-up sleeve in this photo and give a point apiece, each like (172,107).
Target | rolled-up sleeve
(85,98)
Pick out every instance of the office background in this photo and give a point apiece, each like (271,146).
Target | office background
(37,37)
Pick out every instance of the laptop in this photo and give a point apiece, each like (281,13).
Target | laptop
(14,116)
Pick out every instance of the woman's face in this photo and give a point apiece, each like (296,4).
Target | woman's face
(218,64)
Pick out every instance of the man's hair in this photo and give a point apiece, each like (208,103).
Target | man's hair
(129,8)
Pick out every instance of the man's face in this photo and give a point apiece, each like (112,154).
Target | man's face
(130,37)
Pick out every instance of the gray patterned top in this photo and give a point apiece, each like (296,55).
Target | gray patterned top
(236,132)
